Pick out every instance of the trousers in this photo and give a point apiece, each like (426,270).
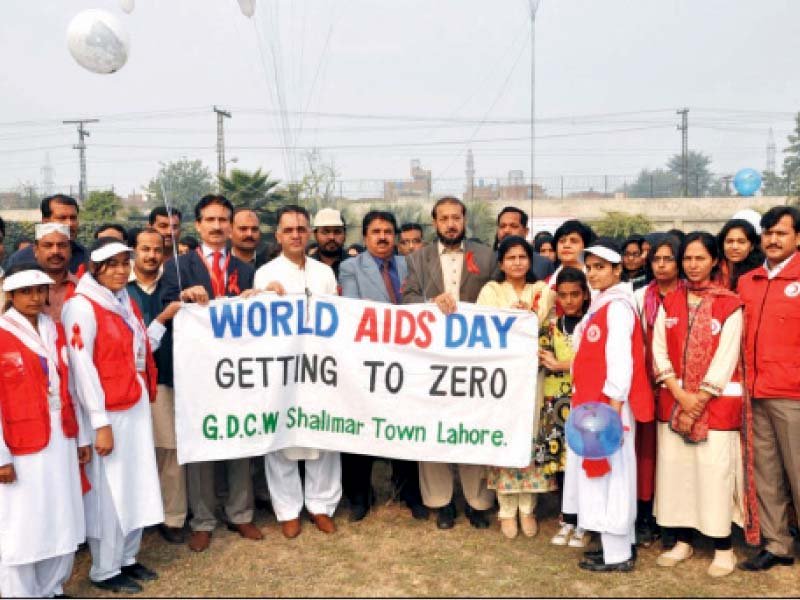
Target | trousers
(42,579)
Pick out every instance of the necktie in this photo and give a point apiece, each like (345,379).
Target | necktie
(387,280)
(217,276)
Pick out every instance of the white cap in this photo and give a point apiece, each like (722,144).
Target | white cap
(751,216)
(605,252)
(328,217)
(108,251)
(43,229)
(27,278)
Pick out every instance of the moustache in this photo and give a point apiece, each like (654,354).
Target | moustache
(773,247)
(248,239)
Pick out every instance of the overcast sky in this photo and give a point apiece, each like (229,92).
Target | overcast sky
(382,82)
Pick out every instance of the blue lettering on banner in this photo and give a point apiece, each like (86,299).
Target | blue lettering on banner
(277,318)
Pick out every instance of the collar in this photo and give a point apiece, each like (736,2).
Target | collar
(208,251)
(379,261)
(134,279)
(294,265)
(773,272)
(442,249)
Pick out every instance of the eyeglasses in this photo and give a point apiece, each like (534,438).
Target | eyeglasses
(663,259)
(632,255)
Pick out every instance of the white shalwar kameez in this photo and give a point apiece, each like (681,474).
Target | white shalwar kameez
(323,469)
(607,504)
(41,513)
(126,494)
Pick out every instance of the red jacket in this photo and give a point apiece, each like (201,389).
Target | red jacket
(23,396)
(725,411)
(589,367)
(772,331)
(115,362)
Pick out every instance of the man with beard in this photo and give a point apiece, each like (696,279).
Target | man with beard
(448,272)
(329,232)
(245,237)
(168,226)
(513,221)
(52,251)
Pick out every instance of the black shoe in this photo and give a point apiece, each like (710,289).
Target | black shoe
(479,519)
(446,517)
(647,532)
(668,539)
(173,535)
(139,572)
(419,511)
(594,555)
(626,566)
(358,512)
(119,584)
(764,561)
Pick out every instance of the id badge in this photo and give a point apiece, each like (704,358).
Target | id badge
(141,363)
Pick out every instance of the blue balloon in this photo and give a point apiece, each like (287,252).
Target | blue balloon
(747,182)
(594,430)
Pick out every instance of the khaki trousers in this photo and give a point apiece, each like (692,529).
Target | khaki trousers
(776,452)
(203,497)
(436,485)
(171,475)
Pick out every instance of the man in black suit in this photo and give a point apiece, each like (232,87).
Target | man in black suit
(212,272)
(514,221)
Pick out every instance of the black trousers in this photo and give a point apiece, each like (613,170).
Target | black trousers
(357,479)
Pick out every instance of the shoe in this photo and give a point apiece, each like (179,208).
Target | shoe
(594,555)
(479,519)
(358,512)
(172,535)
(647,532)
(578,539)
(262,503)
(290,528)
(446,517)
(668,539)
(626,566)
(509,527)
(119,584)
(724,563)
(139,572)
(529,525)
(199,541)
(680,552)
(764,561)
(564,533)
(324,523)
(247,530)
(419,512)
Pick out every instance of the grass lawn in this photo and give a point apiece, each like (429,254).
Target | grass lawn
(390,554)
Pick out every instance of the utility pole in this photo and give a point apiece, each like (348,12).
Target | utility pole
(221,114)
(534,7)
(684,129)
(81,148)
(771,152)
(470,191)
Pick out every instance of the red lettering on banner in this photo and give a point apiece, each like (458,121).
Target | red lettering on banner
(368,326)
(425,340)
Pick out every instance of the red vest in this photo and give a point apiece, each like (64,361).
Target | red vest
(590,367)
(23,396)
(115,362)
(725,411)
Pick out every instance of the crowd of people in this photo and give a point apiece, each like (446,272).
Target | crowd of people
(693,340)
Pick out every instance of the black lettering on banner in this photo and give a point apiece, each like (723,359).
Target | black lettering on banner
(435,391)
(225,379)
(394,367)
(327,369)
(476,378)
(373,368)
(498,387)
(243,371)
(455,379)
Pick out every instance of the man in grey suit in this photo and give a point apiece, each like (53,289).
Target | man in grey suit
(447,272)
(377,275)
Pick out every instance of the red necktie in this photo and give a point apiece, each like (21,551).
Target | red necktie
(217,276)
(387,280)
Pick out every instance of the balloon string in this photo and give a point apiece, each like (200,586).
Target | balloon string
(175,253)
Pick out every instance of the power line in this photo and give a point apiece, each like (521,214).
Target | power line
(81,148)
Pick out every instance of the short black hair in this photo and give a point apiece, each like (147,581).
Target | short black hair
(448,200)
(542,238)
(574,226)
(289,209)
(23,266)
(776,213)
(46,208)
(411,227)
(133,235)
(678,233)
(115,226)
(523,216)
(161,211)
(2,227)
(190,242)
(23,240)
(208,200)
(374,215)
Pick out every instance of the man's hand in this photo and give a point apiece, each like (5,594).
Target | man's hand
(446,303)
(84,455)
(196,293)
(169,312)
(7,473)
(104,443)
(277,287)
(548,360)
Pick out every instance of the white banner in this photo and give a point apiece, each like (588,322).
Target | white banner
(253,376)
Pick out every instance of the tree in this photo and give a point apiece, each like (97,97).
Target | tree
(654,184)
(772,184)
(620,225)
(481,221)
(700,178)
(254,190)
(317,187)
(791,162)
(101,207)
(185,182)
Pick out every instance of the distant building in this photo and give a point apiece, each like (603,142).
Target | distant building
(515,189)
(419,187)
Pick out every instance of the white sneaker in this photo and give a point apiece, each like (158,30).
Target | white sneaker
(563,535)
(578,539)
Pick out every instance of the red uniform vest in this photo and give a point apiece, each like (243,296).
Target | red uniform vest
(590,367)
(115,362)
(724,412)
(23,396)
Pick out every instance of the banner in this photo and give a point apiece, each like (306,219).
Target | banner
(257,375)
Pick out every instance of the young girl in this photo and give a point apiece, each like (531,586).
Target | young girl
(555,355)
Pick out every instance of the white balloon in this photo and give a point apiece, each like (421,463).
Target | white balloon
(248,7)
(97,40)
(127,5)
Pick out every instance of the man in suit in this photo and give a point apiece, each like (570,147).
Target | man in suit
(377,275)
(513,221)
(447,272)
(211,272)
